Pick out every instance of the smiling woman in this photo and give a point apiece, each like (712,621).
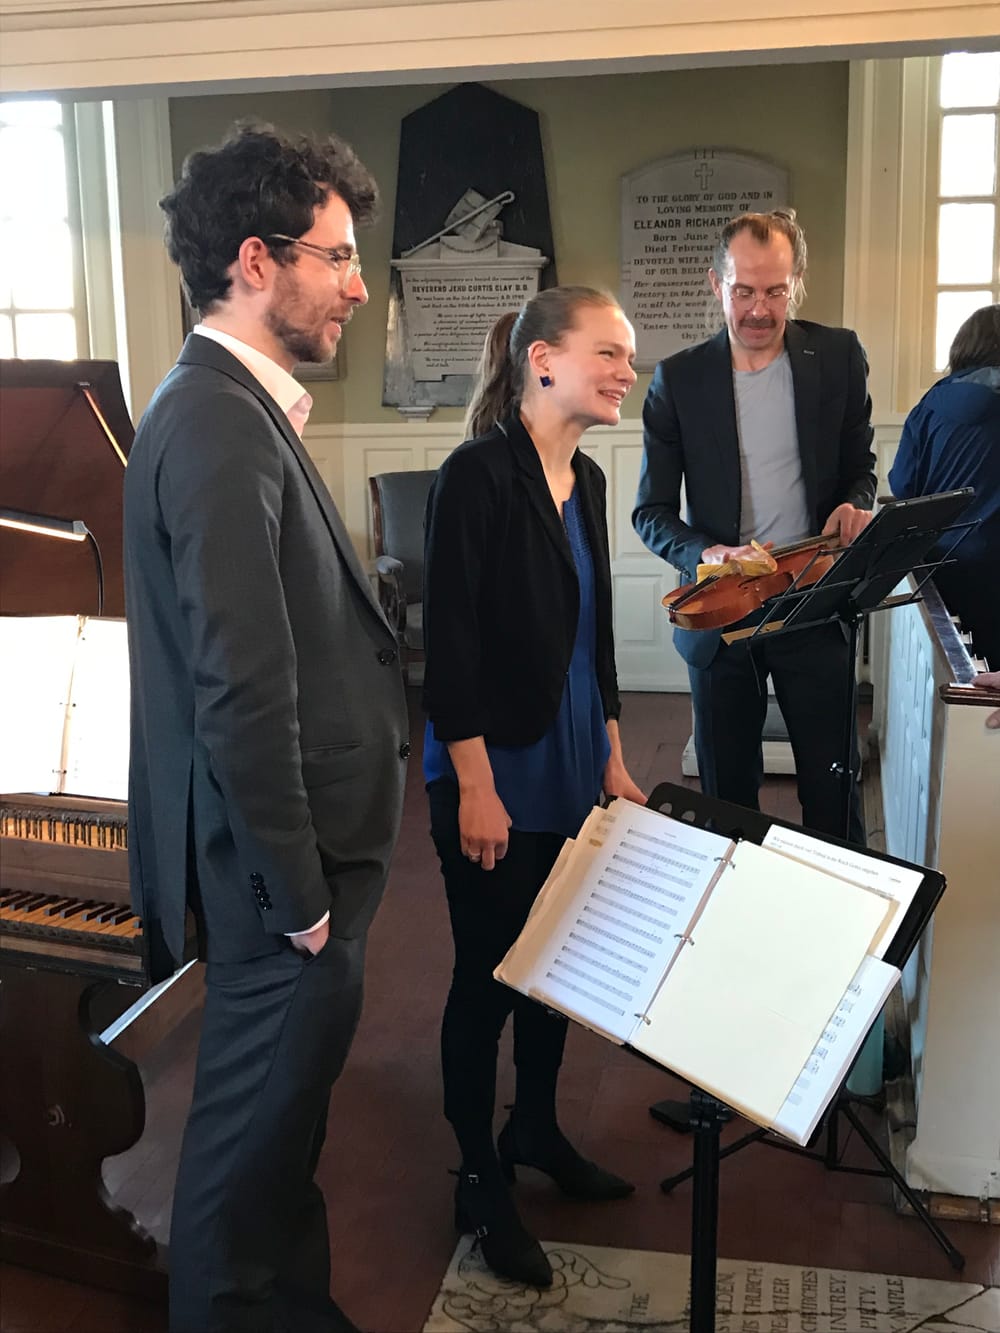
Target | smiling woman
(522,738)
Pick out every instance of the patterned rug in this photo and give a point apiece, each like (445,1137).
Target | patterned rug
(600,1290)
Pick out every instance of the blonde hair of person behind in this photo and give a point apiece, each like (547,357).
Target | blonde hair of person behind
(499,383)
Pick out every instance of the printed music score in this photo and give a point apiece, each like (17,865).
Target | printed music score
(897,884)
(619,898)
(833,1055)
(659,934)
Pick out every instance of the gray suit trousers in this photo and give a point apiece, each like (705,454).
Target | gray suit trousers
(249,1247)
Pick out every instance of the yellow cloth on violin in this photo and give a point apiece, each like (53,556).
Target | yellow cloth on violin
(747,566)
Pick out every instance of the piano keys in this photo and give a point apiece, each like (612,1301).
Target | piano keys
(72,962)
(52,919)
(64,891)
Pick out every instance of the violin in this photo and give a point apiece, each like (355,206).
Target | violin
(720,600)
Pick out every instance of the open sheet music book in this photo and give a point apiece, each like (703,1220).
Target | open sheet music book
(64,706)
(748,970)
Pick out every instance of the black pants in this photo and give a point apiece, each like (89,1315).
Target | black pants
(249,1247)
(810,673)
(488,909)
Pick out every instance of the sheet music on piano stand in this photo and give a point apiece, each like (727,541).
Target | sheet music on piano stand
(64,706)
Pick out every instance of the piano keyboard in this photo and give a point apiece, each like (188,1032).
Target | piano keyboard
(48,916)
(104,832)
(64,899)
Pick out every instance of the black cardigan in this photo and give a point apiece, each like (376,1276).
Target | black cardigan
(501,595)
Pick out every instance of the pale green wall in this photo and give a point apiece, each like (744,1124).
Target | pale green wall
(593,130)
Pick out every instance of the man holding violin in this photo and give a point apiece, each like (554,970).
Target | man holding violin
(768,426)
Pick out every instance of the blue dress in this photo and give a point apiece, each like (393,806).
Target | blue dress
(551,786)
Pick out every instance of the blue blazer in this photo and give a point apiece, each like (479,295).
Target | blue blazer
(690,436)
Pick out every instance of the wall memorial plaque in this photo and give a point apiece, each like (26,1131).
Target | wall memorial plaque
(472,239)
(672,213)
(458,283)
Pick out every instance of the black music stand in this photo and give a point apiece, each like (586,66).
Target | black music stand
(893,545)
(896,543)
(709,1114)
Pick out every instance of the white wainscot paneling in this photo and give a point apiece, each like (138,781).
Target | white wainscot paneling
(348,455)
(637,600)
(884,445)
(365,450)
(644,650)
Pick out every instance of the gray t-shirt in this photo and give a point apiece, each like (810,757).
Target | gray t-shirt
(773,493)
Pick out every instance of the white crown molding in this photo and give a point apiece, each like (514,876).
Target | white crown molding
(100,46)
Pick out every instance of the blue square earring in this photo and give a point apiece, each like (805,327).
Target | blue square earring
(545,381)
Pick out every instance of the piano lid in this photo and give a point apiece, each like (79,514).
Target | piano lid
(56,418)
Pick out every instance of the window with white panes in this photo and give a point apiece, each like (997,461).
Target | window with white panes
(968,194)
(42,303)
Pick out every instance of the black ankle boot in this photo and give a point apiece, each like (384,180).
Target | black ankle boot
(484,1207)
(556,1156)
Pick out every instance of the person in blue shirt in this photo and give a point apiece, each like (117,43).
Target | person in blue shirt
(951,439)
(522,735)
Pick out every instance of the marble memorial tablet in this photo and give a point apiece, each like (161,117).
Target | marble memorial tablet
(672,213)
(472,240)
(450,311)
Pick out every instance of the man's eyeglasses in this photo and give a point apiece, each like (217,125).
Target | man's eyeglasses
(742,295)
(334,254)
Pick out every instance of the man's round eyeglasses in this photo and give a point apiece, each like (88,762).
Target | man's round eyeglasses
(750,296)
(334,254)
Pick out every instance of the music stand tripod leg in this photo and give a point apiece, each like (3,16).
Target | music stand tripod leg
(955,1257)
(668,1183)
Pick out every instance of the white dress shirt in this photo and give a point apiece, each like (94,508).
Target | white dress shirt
(286,391)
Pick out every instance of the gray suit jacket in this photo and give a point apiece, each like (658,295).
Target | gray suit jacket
(269,720)
(691,435)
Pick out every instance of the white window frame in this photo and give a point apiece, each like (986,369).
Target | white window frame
(79,306)
(936,114)
(147,292)
(127,292)
(890,243)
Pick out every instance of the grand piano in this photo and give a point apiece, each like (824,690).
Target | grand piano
(77,1011)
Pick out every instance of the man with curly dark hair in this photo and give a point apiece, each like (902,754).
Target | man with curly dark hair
(268,720)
